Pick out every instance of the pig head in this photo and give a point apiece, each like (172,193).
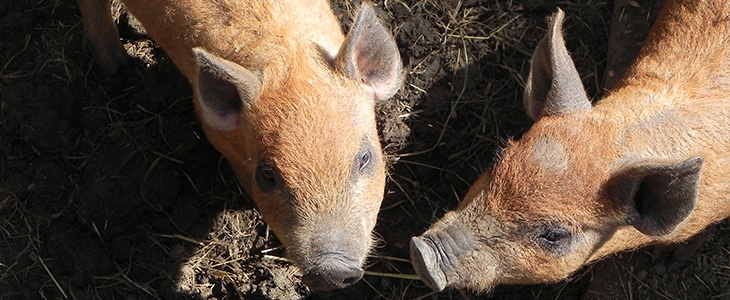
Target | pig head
(306,148)
(290,102)
(643,166)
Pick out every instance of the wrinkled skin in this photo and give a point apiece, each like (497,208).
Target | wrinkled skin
(289,101)
(646,165)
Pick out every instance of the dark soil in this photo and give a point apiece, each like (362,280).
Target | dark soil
(109,189)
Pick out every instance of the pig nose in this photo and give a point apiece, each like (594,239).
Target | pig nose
(427,263)
(332,272)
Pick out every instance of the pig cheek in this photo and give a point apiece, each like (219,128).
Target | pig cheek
(537,266)
(480,270)
(584,245)
(591,241)
(518,261)
(368,193)
(277,214)
(511,261)
(483,267)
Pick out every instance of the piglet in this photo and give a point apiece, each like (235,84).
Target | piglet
(647,164)
(289,101)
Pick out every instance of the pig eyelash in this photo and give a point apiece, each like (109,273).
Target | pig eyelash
(266,177)
(554,240)
(364,160)
(555,236)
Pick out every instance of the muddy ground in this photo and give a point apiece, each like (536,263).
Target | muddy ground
(109,190)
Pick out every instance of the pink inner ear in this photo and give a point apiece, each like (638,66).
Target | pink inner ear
(363,63)
(371,56)
(221,122)
(388,84)
(365,59)
(382,79)
(380,90)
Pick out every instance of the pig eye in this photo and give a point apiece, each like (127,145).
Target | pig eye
(554,236)
(554,240)
(266,177)
(364,160)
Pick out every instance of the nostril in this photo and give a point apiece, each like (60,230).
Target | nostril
(427,263)
(332,275)
(354,277)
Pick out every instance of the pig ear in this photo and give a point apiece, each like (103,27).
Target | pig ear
(223,89)
(369,55)
(658,196)
(553,86)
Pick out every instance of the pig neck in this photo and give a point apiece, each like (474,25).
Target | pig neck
(258,36)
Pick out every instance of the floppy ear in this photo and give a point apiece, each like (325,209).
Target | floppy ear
(369,55)
(658,196)
(553,86)
(223,88)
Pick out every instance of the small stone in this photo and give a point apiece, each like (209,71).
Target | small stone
(654,284)
(659,269)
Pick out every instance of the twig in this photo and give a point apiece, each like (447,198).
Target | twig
(393,275)
(36,258)
(471,37)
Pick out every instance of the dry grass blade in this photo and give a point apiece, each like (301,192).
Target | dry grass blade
(38,259)
(393,275)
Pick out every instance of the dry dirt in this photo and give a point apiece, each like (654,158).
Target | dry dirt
(109,190)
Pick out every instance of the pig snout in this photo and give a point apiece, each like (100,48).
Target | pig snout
(332,271)
(435,255)
(427,261)
(332,259)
